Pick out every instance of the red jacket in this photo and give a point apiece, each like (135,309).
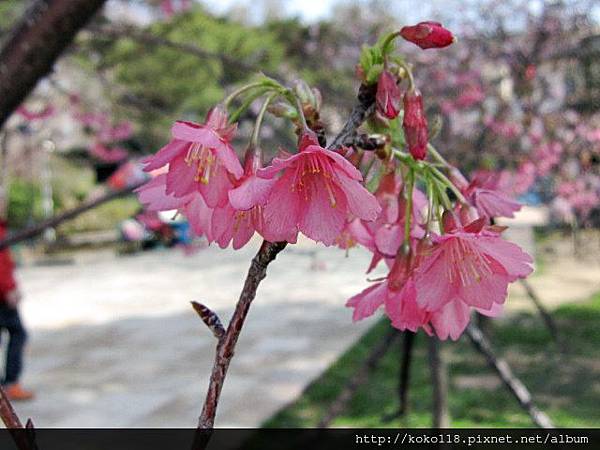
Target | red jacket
(7,267)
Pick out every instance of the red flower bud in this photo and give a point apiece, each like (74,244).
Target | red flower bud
(415,124)
(428,35)
(388,95)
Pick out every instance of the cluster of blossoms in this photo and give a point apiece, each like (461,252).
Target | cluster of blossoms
(432,229)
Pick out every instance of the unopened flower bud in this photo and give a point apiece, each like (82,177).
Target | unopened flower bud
(388,95)
(415,124)
(428,35)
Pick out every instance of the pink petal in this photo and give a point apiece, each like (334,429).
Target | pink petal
(451,320)
(282,212)
(153,195)
(403,310)
(361,202)
(368,301)
(166,154)
(252,192)
(199,216)
(319,219)
(515,261)
(216,191)
(181,178)
(433,288)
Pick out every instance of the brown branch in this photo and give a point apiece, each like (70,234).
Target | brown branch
(225,349)
(11,421)
(35,43)
(360,377)
(364,108)
(52,222)
(257,272)
(408,343)
(516,387)
(546,317)
(439,381)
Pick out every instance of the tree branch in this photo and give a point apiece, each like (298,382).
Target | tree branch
(151,40)
(516,387)
(364,108)
(257,272)
(35,43)
(52,222)
(360,377)
(20,434)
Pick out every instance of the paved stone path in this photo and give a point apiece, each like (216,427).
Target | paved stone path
(114,341)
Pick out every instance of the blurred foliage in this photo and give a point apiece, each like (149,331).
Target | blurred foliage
(559,378)
(24,203)
(167,83)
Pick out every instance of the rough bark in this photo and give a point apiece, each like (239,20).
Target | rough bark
(35,43)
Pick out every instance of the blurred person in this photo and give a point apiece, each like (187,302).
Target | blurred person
(10,319)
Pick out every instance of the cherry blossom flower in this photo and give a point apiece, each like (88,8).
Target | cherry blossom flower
(317,192)
(485,194)
(242,216)
(201,159)
(470,264)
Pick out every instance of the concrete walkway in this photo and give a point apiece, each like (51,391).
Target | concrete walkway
(114,342)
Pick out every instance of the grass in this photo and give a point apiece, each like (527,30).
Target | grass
(564,380)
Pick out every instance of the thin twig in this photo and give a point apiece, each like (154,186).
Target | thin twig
(364,108)
(546,317)
(226,347)
(516,387)
(56,220)
(360,377)
(258,269)
(14,425)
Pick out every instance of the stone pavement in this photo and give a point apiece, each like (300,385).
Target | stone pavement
(114,342)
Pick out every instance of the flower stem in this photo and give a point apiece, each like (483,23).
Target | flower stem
(410,184)
(259,119)
(444,179)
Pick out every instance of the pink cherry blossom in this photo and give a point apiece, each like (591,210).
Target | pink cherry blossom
(485,194)
(472,265)
(201,159)
(317,192)
(242,216)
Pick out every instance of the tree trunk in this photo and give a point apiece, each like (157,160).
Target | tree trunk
(35,43)
(439,381)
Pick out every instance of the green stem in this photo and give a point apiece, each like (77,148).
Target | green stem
(240,91)
(301,113)
(410,183)
(436,155)
(259,119)
(444,179)
(390,37)
(411,80)
(431,205)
